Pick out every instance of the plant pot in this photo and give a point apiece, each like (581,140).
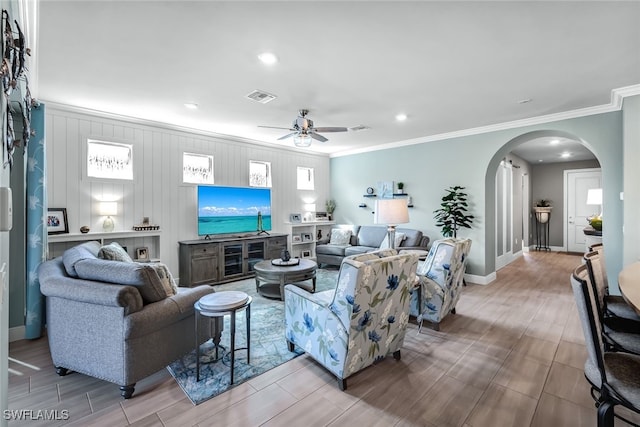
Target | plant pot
(542,214)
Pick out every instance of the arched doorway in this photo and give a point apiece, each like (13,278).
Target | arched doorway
(509,198)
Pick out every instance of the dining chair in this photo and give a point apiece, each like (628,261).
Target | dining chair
(615,375)
(614,305)
(620,333)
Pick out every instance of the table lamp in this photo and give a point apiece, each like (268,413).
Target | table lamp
(107,209)
(391,212)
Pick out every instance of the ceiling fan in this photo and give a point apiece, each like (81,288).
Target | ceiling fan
(303,131)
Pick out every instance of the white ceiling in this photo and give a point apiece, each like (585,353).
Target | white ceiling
(449,66)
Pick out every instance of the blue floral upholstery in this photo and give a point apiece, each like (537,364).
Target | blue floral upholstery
(441,277)
(362,320)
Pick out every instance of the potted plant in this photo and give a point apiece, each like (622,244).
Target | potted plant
(401,187)
(330,205)
(543,210)
(452,214)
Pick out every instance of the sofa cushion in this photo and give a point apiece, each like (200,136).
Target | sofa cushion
(397,240)
(331,249)
(371,236)
(340,237)
(72,255)
(356,250)
(114,252)
(412,237)
(153,280)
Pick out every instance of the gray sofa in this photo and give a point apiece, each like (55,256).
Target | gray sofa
(365,238)
(122,328)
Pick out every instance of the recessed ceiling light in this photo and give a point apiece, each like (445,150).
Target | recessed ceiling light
(191,105)
(554,142)
(565,155)
(401,117)
(540,161)
(268,58)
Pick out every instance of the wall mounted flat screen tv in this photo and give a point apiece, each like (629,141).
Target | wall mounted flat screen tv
(229,210)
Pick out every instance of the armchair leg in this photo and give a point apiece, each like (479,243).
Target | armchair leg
(61,371)
(291,346)
(342,383)
(396,355)
(126,391)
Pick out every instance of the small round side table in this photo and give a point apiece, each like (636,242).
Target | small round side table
(219,304)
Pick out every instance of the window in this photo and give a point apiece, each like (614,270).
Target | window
(305,178)
(197,168)
(110,160)
(259,174)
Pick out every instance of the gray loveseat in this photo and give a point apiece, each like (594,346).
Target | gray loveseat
(366,238)
(122,328)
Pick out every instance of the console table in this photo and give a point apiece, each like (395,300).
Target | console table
(224,259)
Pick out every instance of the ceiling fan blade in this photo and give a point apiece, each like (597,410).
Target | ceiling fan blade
(287,135)
(331,129)
(318,137)
(274,127)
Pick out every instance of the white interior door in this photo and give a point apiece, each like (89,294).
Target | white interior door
(577,184)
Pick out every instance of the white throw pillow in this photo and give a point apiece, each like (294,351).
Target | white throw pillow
(340,237)
(397,240)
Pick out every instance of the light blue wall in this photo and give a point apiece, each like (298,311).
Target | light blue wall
(471,161)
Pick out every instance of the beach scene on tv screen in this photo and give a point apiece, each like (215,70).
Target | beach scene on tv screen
(223,210)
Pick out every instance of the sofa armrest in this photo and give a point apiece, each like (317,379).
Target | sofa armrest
(166,312)
(54,283)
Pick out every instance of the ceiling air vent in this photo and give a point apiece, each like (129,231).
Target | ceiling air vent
(358,128)
(261,96)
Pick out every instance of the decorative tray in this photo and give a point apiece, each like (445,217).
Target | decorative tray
(280,263)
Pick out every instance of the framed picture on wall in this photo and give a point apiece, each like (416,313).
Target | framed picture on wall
(57,221)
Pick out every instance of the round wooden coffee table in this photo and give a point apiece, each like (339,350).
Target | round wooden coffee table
(270,279)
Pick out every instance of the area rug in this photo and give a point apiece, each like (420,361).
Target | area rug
(268,345)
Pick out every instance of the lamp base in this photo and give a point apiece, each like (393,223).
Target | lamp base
(391,233)
(108,224)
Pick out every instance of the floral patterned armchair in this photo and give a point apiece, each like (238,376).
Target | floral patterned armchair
(361,321)
(441,278)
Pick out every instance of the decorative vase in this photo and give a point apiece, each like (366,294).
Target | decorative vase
(284,255)
(542,213)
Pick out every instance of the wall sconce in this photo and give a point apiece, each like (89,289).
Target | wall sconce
(108,209)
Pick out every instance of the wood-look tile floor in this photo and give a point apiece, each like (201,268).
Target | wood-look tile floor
(511,356)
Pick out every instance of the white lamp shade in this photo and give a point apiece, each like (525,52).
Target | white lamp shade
(309,207)
(391,212)
(108,208)
(594,196)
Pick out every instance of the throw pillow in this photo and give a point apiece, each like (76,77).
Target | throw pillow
(153,280)
(159,283)
(340,237)
(114,252)
(397,240)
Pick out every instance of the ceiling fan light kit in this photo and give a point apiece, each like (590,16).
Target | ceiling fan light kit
(303,131)
(302,140)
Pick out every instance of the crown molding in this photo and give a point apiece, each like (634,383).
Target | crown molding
(617,98)
(173,127)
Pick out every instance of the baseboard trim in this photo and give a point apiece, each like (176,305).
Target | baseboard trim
(480,280)
(16,333)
